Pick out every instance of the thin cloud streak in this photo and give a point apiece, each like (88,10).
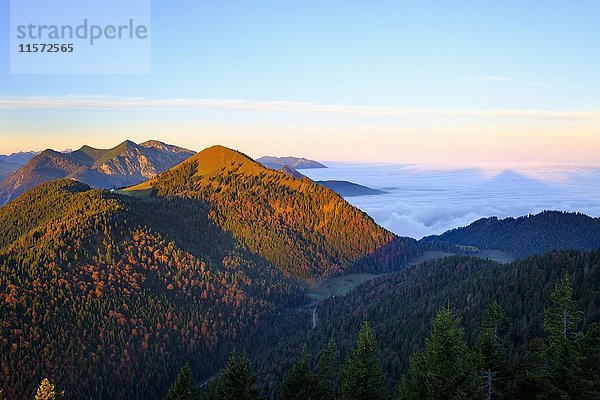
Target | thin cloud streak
(526,83)
(141,103)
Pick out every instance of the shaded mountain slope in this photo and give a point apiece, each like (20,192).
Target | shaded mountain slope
(399,308)
(306,230)
(123,165)
(20,158)
(108,295)
(532,234)
(6,169)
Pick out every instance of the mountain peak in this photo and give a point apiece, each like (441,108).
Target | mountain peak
(213,159)
(294,162)
(127,144)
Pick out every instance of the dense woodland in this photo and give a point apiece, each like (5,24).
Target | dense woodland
(399,308)
(528,235)
(561,364)
(84,295)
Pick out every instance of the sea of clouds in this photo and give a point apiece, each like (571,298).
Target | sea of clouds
(426,200)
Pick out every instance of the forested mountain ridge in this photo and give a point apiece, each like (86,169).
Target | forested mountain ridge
(528,235)
(123,165)
(106,294)
(306,230)
(399,307)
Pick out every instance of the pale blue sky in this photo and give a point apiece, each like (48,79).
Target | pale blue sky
(457,56)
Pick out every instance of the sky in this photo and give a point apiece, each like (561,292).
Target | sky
(381,81)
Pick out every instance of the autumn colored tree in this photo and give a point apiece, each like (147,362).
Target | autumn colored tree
(48,391)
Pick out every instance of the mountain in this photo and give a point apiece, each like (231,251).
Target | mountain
(399,307)
(349,189)
(305,229)
(6,169)
(107,294)
(286,169)
(528,235)
(343,188)
(294,162)
(124,165)
(20,158)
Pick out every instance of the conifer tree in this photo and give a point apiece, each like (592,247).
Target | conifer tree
(300,383)
(446,369)
(48,391)
(362,378)
(590,348)
(184,387)
(329,371)
(493,363)
(237,382)
(561,374)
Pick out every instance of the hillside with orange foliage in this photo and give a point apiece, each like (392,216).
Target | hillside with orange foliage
(303,228)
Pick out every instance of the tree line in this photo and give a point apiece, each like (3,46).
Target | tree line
(562,365)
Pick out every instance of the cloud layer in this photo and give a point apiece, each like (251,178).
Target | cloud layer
(427,200)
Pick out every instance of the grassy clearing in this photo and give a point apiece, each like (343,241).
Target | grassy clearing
(337,286)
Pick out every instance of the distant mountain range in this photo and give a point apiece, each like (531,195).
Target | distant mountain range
(20,158)
(294,162)
(528,235)
(124,165)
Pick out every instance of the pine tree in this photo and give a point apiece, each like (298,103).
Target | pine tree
(590,348)
(237,382)
(362,378)
(563,317)
(301,383)
(446,369)
(329,370)
(493,363)
(184,387)
(48,391)
(561,374)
